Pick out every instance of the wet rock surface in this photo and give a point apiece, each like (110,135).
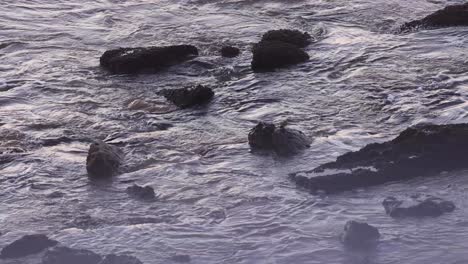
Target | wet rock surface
(103,160)
(284,141)
(189,97)
(134,60)
(422,150)
(450,16)
(27,245)
(65,255)
(294,37)
(141,192)
(271,55)
(229,52)
(359,235)
(120,259)
(417,206)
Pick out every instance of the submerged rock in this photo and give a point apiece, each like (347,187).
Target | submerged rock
(417,206)
(146,192)
(230,52)
(65,255)
(284,141)
(27,245)
(120,259)
(188,97)
(134,60)
(358,235)
(450,16)
(294,37)
(103,160)
(270,55)
(422,150)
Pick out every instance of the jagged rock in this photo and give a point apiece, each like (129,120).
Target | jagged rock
(120,259)
(65,255)
(359,235)
(230,52)
(294,37)
(284,141)
(134,60)
(270,55)
(422,150)
(103,160)
(417,206)
(146,192)
(188,97)
(27,245)
(450,16)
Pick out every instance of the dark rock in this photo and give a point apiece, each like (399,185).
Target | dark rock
(270,55)
(50,142)
(134,60)
(359,235)
(423,150)
(103,160)
(230,52)
(65,255)
(417,206)
(188,97)
(294,37)
(27,245)
(140,192)
(450,16)
(120,259)
(181,258)
(284,141)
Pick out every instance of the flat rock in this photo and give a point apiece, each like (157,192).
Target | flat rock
(359,235)
(188,97)
(120,259)
(103,160)
(27,245)
(65,255)
(417,206)
(450,16)
(271,55)
(294,37)
(141,192)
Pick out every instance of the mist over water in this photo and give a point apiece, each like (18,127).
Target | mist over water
(218,202)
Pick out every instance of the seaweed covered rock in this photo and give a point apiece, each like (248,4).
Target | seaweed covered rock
(188,97)
(417,206)
(65,255)
(229,52)
(358,235)
(422,150)
(120,259)
(270,55)
(141,192)
(27,245)
(294,37)
(103,160)
(134,60)
(284,141)
(450,16)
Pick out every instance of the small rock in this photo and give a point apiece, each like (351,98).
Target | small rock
(181,258)
(65,255)
(294,37)
(359,235)
(120,259)
(103,160)
(230,52)
(27,245)
(140,192)
(188,97)
(270,55)
(417,206)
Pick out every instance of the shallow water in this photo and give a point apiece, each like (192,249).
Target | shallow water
(217,202)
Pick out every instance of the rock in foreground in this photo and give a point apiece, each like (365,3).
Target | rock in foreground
(294,37)
(27,245)
(423,150)
(103,160)
(450,16)
(145,193)
(188,97)
(270,55)
(134,60)
(284,141)
(64,255)
(417,206)
(359,235)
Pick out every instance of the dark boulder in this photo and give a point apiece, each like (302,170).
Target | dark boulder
(27,245)
(450,16)
(188,97)
(230,52)
(103,160)
(422,150)
(65,255)
(134,60)
(294,37)
(417,206)
(284,141)
(146,192)
(358,235)
(120,259)
(270,55)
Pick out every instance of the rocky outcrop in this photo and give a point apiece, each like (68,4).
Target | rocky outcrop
(417,206)
(229,52)
(103,160)
(62,255)
(141,192)
(134,60)
(294,37)
(270,55)
(284,141)
(450,16)
(188,97)
(358,235)
(27,245)
(423,150)
(120,259)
